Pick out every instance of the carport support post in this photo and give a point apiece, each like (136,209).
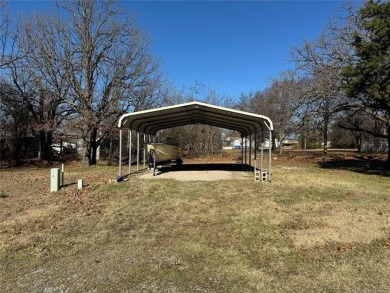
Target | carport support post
(262,157)
(137,151)
(255,145)
(255,153)
(250,149)
(129,151)
(144,150)
(246,138)
(242,149)
(270,156)
(120,153)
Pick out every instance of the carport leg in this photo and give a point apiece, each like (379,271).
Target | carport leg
(129,151)
(254,168)
(246,140)
(120,153)
(242,150)
(154,165)
(144,150)
(254,140)
(255,153)
(250,149)
(270,156)
(262,157)
(137,151)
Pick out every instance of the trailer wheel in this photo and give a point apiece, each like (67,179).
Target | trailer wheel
(150,159)
(179,162)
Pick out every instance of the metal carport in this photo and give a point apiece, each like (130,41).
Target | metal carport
(149,122)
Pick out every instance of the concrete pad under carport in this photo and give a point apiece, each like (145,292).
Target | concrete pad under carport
(200,172)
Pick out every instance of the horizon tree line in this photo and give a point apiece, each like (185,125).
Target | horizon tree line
(76,71)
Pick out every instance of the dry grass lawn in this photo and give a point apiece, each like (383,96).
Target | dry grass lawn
(311,230)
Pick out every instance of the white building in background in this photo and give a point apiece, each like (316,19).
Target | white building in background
(236,143)
(381,146)
(58,147)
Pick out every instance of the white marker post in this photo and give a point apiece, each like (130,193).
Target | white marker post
(62,182)
(80,184)
(54,179)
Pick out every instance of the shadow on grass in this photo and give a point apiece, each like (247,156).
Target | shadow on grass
(68,184)
(73,184)
(369,165)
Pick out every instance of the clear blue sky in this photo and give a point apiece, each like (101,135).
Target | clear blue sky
(231,46)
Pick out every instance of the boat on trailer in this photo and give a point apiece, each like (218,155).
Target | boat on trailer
(163,153)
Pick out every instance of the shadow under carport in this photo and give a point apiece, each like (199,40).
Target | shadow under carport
(205,167)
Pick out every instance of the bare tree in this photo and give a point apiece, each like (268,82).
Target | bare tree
(280,102)
(351,124)
(14,114)
(323,63)
(4,33)
(198,140)
(14,120)
(282,105)
(104,58)
(36,76)
(90,62)
(320,63)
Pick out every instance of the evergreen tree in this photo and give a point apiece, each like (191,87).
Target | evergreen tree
(367,79)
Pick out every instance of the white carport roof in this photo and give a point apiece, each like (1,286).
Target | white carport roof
(151,121)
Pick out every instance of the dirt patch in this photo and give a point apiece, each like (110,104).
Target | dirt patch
(198,175)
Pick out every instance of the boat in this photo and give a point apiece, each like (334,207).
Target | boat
(163,153)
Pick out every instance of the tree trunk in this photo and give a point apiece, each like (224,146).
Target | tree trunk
(358,140)
(93,145)
(325,142)
(110,151)
(86,154)
(45,142)
(388,147)
(280,143)
(303,140)
(273,147)
(376,139)
(94,152)
(39,149)
(14,147)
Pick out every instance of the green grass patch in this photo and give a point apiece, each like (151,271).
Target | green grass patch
(2,194)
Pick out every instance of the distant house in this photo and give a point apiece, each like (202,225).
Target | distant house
(381,146)
(231,143)
(289,144)
(65,145)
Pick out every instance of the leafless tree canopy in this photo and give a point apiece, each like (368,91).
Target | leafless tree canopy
(76,71)
(87,64)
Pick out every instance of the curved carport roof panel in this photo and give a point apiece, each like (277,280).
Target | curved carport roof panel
(151,121)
